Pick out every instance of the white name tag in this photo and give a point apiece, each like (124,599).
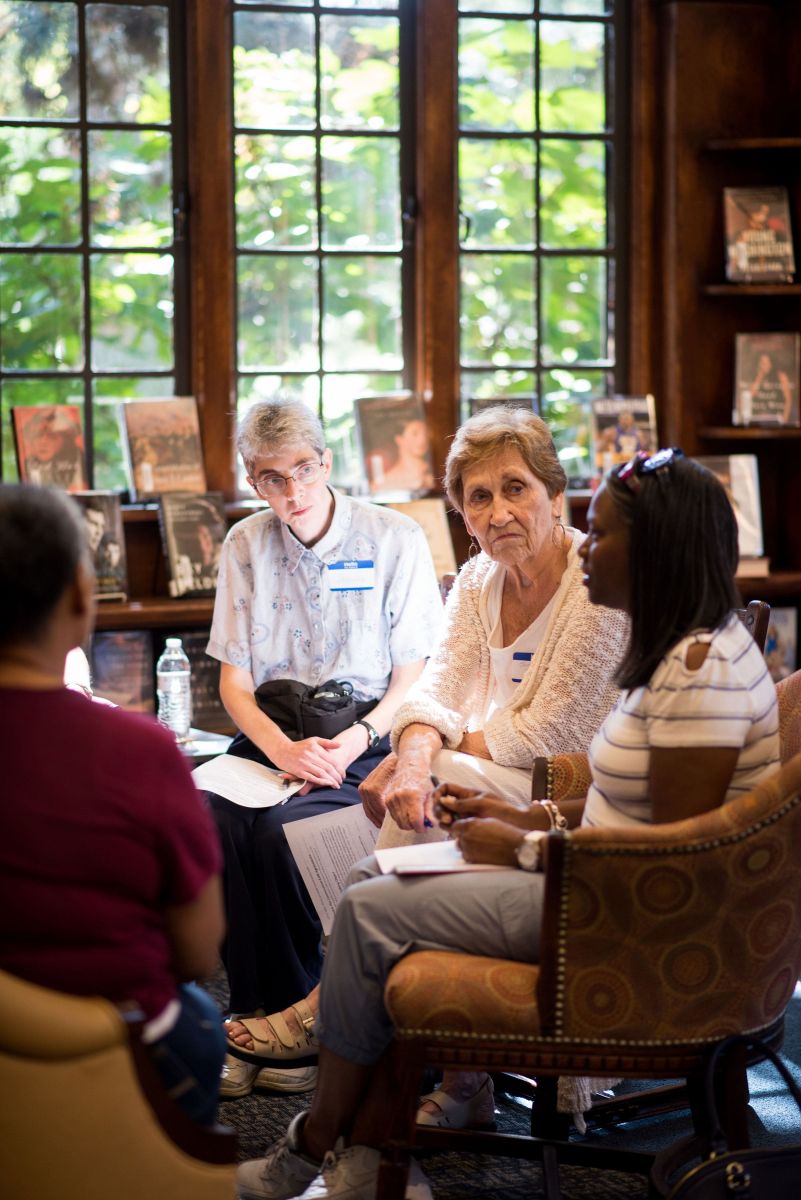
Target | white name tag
(356,575)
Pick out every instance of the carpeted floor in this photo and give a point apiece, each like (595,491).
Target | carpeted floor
(261,1117)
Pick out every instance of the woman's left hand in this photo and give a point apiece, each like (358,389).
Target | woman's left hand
(487,840)
(473,743)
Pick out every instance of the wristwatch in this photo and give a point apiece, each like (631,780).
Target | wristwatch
(373,736)
(529,852)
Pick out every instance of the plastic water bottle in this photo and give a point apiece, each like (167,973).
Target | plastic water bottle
(173,683)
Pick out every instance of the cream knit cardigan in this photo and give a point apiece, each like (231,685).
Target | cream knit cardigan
(564,695)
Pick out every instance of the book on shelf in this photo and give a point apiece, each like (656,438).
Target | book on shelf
(766,379)
(102,514)
(122,668)
(621,426)
(759,240)
(739,474)
(193,528)
(49,445)
(395,445)
(781,644)
(208,711)
(431,515)
(161,440)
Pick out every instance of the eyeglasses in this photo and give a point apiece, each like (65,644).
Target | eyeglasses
(647,464)
(274,484)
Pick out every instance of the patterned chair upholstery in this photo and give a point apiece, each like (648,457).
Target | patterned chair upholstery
(789,692)
(656,943)
(84,1115)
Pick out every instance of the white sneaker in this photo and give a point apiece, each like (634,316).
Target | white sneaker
(283,1174)
(352,1174)
(239,1078)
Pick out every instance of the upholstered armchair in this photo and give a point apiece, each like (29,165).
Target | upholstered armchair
(656,943)
(84,1115)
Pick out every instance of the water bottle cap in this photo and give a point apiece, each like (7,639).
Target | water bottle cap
(172,643)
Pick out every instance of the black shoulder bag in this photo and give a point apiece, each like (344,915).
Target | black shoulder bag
(759,1173)
(302,710)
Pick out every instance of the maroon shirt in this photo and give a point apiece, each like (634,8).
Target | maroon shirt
(101,828)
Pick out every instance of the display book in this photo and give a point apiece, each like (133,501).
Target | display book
(621,426)
(162,447)
(759,240)
(193,528)
(102,515)
(739,474)
(766,379)
(395,445)
(49,445)
(781,644)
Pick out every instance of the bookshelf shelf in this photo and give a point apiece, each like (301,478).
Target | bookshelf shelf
(733,145)
(154,613)
(749,433)
(776,586)
(752,289)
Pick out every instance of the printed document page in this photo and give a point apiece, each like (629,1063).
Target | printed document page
(431,858)
(244,782)
(325,848)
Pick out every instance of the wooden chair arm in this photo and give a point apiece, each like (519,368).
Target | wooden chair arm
(560,777)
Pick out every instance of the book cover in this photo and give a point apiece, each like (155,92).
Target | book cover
(395,445)
(123,670)
(49,445)
(759,241)
(766,379)
(162,444)
(622,426)
(193,529)
(102,514)
(432,516)
(208,711)
(739,474)
(782,642)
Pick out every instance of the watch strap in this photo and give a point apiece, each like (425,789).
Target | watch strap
(373,736)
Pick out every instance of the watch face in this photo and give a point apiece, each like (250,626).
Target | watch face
(528,855)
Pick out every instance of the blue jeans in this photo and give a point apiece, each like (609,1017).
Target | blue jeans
(189,1058)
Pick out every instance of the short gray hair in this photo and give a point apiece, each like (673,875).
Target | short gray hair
(498,428)
(270,426)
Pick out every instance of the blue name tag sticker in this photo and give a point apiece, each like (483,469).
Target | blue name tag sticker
(352,575)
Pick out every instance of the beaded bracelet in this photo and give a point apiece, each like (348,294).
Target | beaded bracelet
(557,819)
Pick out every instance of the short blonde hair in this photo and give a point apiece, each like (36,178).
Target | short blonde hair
(270,426)
(504,426)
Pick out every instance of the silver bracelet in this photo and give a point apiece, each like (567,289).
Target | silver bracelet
(557,819)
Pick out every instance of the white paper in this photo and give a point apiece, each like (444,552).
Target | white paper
(431,858)
(244,782)
(325,848)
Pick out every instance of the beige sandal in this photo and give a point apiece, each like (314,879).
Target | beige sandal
(285,1046)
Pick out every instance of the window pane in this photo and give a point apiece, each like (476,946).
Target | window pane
(505,6)
(496,74)
(38,46)
(361,3)
(362,306)
(497,320)
(359,73)
(496,179)
(572,83)
(340,393)
(132,312)
(577,8)
(274,79)
(127,67)
(573,193)
(361,201)
(275,191)
(278,312)
(107,393)
(482,389)
(130,190)
(574,309)
(19,392)
(40,186)
(566,408)
(41,312)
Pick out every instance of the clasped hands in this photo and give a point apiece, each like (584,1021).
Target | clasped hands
(487,828)
(321,762)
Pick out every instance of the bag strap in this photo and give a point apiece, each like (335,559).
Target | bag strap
(717,1137)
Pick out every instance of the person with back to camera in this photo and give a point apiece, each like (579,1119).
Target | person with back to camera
(696,725)
(524,668)
(109,862)
(318,587)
